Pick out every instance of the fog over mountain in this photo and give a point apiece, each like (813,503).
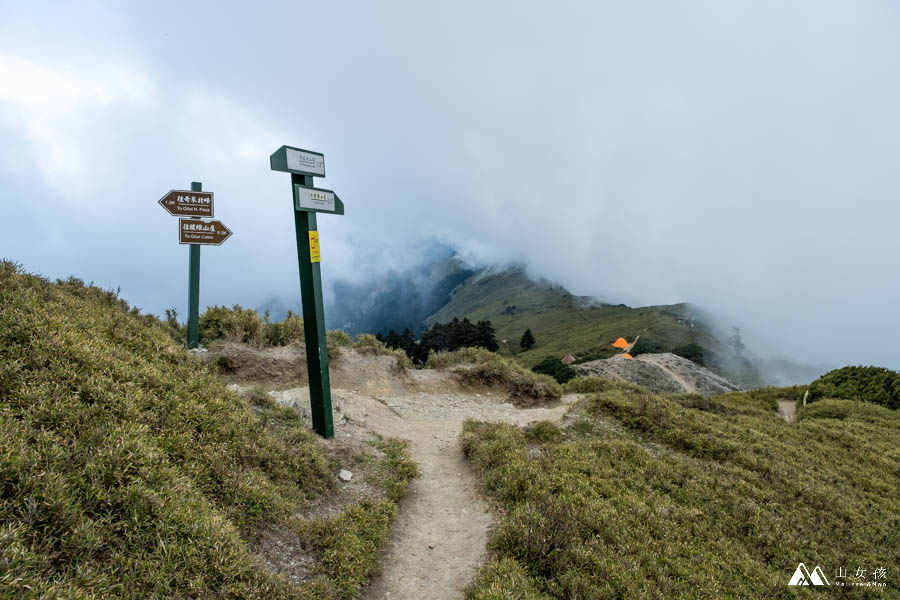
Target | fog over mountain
(738,155)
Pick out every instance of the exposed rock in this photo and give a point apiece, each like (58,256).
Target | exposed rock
(662,373)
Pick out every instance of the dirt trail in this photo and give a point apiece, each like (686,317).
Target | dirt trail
(787,410)
(440,537)
(688,386)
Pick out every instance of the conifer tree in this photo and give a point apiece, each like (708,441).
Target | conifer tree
(527,340)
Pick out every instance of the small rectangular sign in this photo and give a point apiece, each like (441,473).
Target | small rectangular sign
(298,160)
(302,160)
(314,255)
(313,199)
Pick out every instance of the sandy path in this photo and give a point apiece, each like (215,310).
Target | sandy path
(440,537)
(787,410)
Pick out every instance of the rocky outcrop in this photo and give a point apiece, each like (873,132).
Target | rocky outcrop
(662,373)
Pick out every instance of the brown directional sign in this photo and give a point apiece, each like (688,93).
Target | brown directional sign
(195,231)
(181,203)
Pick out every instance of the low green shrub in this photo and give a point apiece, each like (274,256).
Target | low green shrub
(366,342)
(336,340)
(598,353)
(260,397)
(647,345)
(588,385)
(480,367)
(867,384)
(556,369)
(702,403)
(339,338)
(504,579)
(284,333)
(543,431)
(235,324)
(852,410)
(692,352)
(443,360)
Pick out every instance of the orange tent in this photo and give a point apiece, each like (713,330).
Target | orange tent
(628,356)
(620,343)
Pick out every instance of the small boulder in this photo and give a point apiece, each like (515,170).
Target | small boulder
(345,475)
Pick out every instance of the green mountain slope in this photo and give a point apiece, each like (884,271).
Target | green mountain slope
(127,470)
(563,323)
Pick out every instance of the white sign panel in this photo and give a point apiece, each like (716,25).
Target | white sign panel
(308,198)
(298,160)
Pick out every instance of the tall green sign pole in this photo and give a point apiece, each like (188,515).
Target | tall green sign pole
(194,286)
(303,165)
(193,230)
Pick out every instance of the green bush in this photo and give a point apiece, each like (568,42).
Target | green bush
(284,333)
(366,342)
(235,324)
(480,367)
(692,352)
(647,345)
(598,353)
(543,431)
(867,384)
(504,579)
(336,340)
(588,385)
(556,369)
(339,338)
(260,397)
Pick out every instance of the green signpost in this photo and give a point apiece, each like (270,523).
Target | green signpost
(195,232)
(303,165)
(194,287)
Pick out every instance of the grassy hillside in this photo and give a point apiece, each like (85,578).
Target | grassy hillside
(644,496)
(563,323)
(127,470)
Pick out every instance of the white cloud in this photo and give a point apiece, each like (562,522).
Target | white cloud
(61,113)
(219,132)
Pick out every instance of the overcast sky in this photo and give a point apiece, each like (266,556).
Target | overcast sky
(741,155)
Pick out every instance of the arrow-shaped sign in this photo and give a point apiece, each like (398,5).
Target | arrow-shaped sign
(316,200)
(181,203)
(195,231)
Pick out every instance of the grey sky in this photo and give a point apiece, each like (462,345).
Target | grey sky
(741,155)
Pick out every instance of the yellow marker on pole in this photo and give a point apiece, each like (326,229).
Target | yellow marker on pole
(314,255)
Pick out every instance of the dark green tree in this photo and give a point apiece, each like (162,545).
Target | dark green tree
(527,340)
(487,337)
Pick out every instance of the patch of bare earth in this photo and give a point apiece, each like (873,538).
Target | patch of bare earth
(440,537)
(787,410)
